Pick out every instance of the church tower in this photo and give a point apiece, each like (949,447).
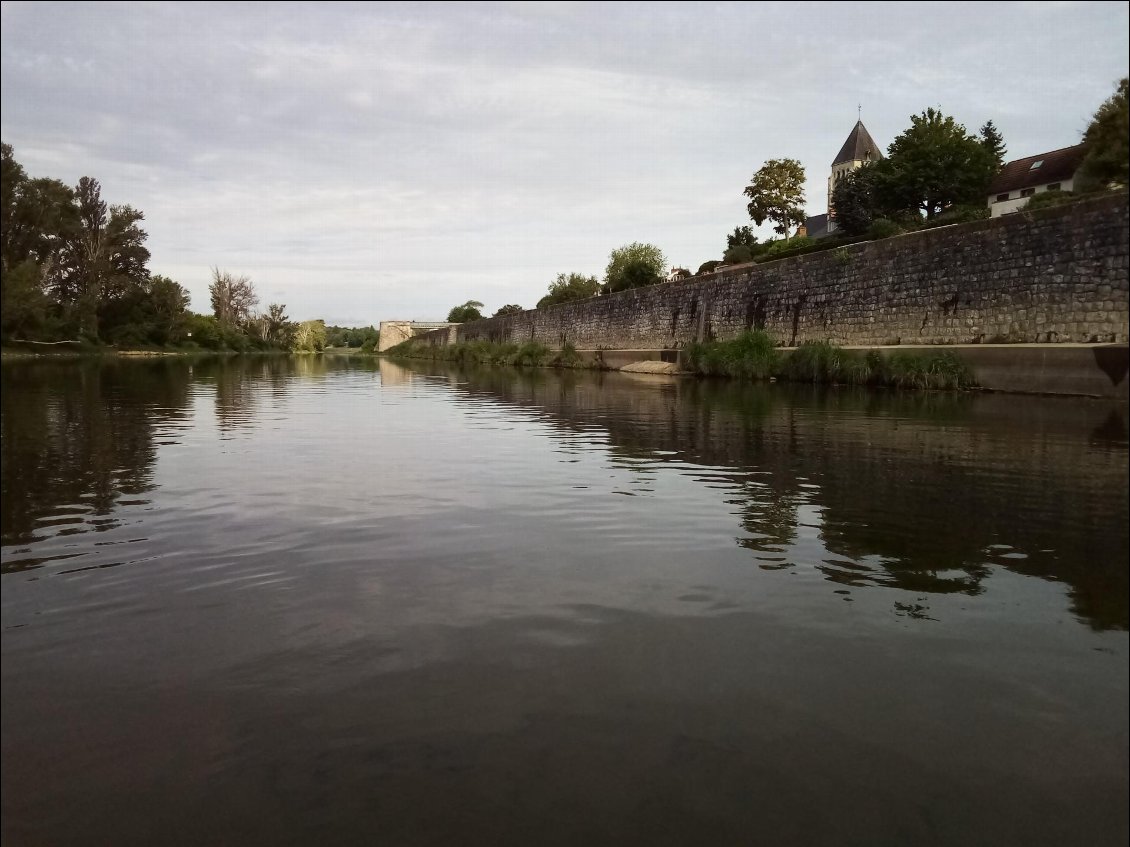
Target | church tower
(859,149)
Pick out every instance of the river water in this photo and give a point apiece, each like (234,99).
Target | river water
(325,600)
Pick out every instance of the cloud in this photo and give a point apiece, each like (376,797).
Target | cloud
(383,161)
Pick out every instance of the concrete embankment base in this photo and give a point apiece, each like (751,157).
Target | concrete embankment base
(1089,370)
(1079,370)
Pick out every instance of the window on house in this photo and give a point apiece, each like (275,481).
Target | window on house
(1055,186)
(1027,192)
(1035,164)
(1002,197)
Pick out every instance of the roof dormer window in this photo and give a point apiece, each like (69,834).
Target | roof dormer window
(1035,164)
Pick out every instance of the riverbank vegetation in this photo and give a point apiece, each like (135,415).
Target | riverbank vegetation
(754,355)
(530,354)
(75,279)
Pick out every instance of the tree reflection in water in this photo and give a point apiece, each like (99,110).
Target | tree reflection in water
(926,492)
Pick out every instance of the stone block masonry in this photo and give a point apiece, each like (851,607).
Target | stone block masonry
(1054,275)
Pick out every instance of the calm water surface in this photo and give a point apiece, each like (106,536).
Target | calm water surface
(322,600)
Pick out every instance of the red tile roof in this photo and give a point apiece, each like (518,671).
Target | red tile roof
(1056,166)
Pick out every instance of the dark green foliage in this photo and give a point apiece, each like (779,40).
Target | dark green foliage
(883,228)
(742,236)
(634,266)
(788,247)
(509,309)
(153,313)
(207,332)
(820,361)
(853,201)
(469,311)
(569,287)
(1107,142)
(1049,198)
(352,337)
(23,304)
(708,267)
(76,268)
(926,370)
(960,215)
(738,254)
(277,330)
(992,140)
(566,357)
(529,354)
(752,355)
(933,164)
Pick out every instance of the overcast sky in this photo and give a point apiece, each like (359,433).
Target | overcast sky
(363,162)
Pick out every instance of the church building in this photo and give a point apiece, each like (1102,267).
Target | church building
(859,149)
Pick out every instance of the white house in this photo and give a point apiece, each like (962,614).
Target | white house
(1019,180)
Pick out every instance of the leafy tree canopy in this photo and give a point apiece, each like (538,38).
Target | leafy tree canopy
(742,236)
(776,194)
(1107,141)
(853,200)
(508,309)
(634,266)
(469,311)
(933,164)
(310,337)
(569,287)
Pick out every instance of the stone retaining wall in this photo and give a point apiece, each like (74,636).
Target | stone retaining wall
(1053,275)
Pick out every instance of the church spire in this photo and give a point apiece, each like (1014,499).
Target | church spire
(859,147)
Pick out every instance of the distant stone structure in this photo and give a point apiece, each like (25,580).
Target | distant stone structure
(394,332)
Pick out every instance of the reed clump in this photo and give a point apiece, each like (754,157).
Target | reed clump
(754,355)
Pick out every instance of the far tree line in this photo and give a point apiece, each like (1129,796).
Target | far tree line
(936,172)
(76,268)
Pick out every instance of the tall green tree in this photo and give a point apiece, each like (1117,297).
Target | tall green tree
(742,236)
(37,217)
(277,328)
(993,141)
(469,311)
(100,258)
(634,266)
(933,164)
(508,309)
(38,223)
(776,194)
(569,287)
(1107,141)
